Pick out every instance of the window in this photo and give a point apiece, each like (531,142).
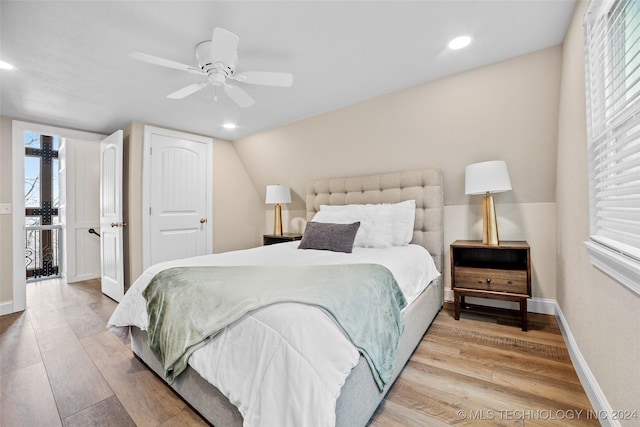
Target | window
(42,229)
(612,41)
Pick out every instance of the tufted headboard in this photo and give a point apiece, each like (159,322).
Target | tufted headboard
(424,186)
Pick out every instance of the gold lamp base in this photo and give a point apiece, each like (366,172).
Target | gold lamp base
(277,223)
(489,222)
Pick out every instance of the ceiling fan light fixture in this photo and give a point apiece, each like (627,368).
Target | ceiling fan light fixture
(217,79)
(459,42)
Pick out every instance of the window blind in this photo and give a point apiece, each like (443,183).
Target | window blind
(612,42)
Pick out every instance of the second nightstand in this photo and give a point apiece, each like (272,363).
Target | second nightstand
(270,239)
(486,271)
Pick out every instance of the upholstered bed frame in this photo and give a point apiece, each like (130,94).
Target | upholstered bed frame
(359,396)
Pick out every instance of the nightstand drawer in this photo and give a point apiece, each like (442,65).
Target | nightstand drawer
(489,279)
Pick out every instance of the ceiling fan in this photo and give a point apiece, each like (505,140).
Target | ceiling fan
(217,60)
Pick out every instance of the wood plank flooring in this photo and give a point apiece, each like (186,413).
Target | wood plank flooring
(59,366)
(484,370)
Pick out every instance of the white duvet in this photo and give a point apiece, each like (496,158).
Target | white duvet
(284,364)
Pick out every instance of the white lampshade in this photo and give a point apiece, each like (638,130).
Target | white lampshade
(278,194)
(492,177)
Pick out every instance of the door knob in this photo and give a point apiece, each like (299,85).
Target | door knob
(118,224)
(203,220)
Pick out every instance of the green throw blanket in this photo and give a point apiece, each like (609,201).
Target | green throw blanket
(187,306)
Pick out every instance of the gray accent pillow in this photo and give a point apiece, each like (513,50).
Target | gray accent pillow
(329,236)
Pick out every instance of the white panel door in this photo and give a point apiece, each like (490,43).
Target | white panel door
(82,210)
(111,224)
(179,195)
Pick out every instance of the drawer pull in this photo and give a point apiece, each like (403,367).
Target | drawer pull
(488,280)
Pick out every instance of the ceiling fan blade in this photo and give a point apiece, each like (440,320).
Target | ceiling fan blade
(188,90)
(266,78)
(163,62)
(224,45)
(239,96)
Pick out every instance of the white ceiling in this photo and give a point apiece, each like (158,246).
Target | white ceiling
(73,69)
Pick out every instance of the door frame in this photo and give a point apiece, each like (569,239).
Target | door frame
(146,186)
(18,128)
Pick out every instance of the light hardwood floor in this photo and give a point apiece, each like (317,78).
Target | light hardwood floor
(60,366)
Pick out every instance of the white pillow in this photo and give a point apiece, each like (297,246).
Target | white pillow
(374,231)
(403,217)
(381,225)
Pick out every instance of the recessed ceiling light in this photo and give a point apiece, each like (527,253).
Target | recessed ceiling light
(6,66)
(229,125)
(459,42)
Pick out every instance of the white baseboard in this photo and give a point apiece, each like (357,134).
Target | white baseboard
(82,278)
(6,308)
(594,392)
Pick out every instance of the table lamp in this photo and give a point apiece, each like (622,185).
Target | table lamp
(486,178)
(277,194)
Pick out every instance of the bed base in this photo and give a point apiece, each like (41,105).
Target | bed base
(358,398)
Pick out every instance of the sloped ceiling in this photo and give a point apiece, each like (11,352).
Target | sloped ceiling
(73,69)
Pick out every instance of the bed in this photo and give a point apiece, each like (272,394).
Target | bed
(357,395)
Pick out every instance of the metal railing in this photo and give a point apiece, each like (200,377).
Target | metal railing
(43,251)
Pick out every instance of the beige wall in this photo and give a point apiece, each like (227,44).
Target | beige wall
(133,137)
(238,210)
(507,110)
(6,224)
(602,314)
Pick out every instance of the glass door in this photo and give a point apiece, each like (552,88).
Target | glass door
(43,230)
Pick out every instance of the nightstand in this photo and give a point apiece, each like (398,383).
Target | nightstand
(500,272)
(270,239)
